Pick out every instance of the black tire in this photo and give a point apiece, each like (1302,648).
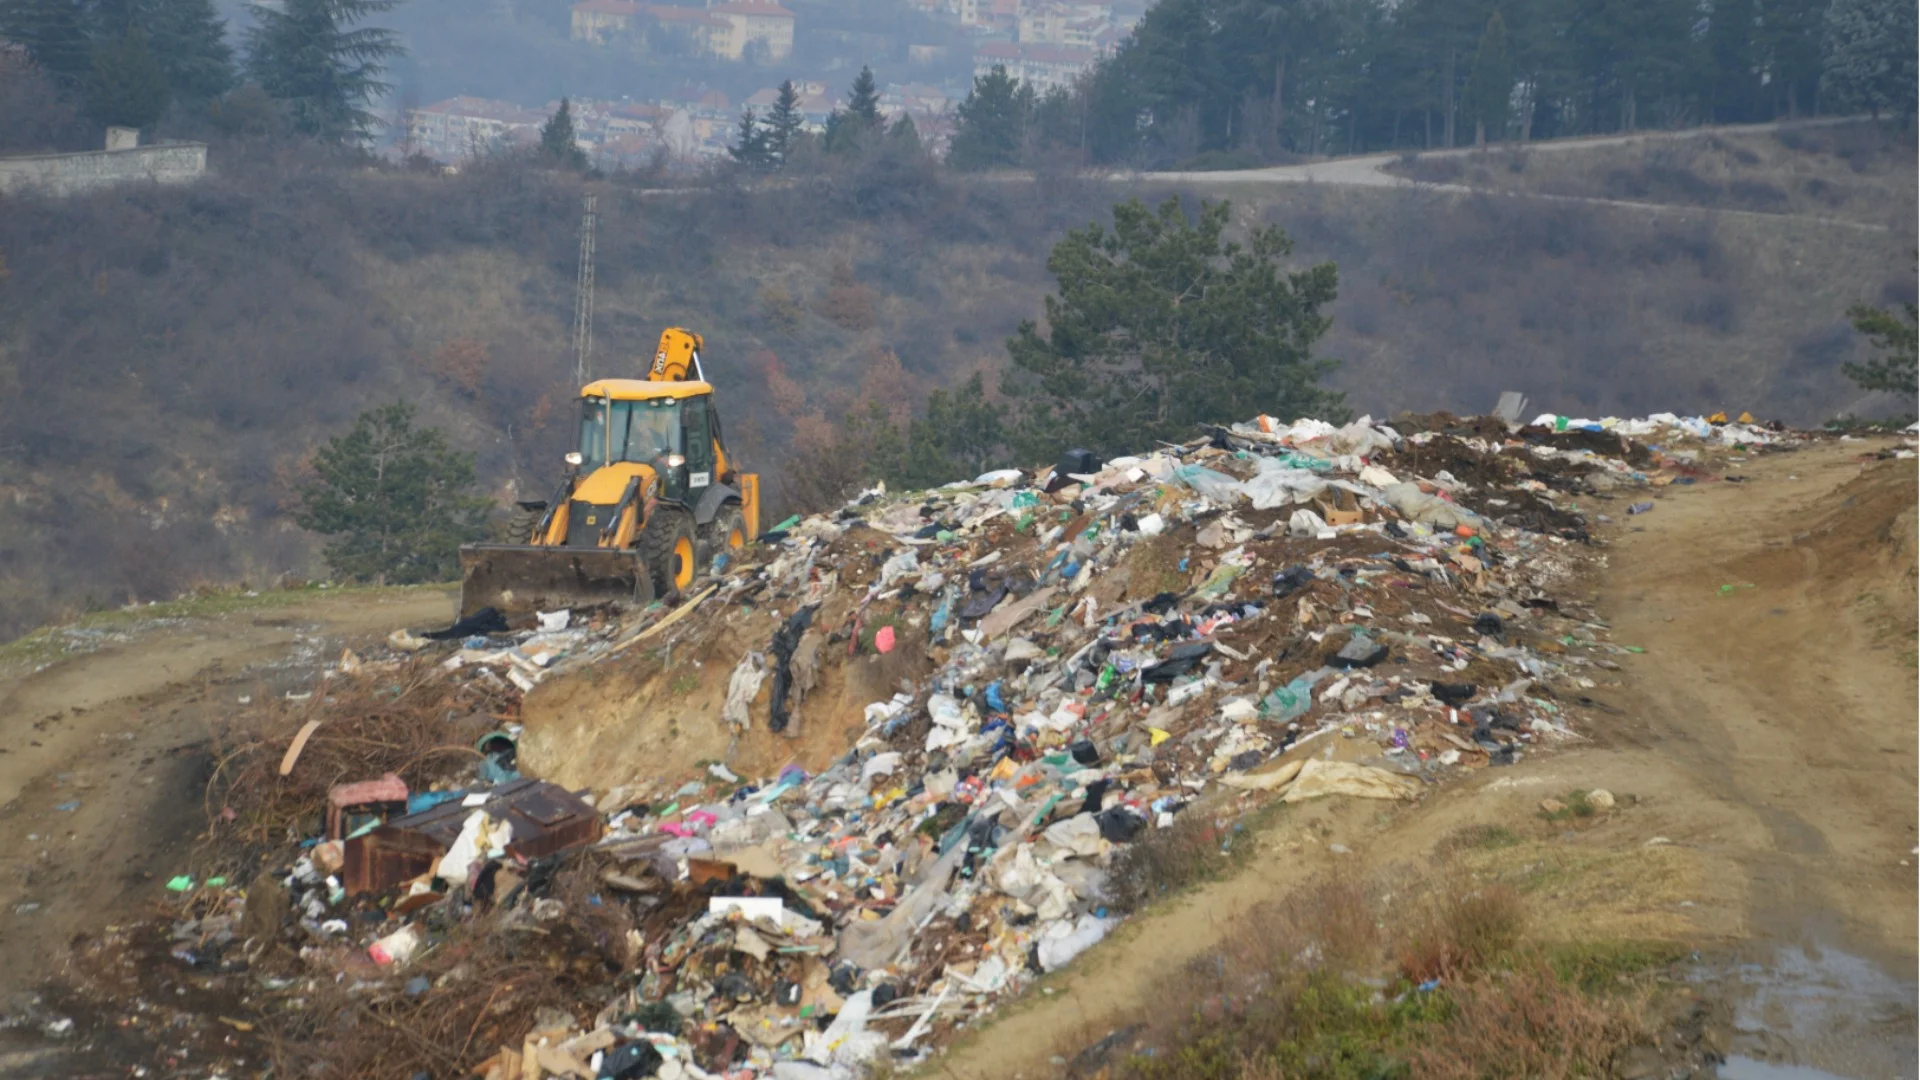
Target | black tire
(670,548)
(716,535)
(520,527)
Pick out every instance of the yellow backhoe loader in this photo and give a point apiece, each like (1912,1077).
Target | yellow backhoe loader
(650,497)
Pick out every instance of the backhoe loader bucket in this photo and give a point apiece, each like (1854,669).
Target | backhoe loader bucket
(517,578)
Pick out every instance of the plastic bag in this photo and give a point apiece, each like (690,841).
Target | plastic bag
(1278,484)
(1218,487)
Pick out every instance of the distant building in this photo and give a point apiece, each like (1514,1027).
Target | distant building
(663,27)
(1073,24)
(1041,66)
(762,29)
(463,127)
(916,99)
(601,20)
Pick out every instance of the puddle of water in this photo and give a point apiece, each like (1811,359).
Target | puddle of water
(1746,1068)
(1821,1014)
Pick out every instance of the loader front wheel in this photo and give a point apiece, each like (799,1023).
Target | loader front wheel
(667,542)
(725,535)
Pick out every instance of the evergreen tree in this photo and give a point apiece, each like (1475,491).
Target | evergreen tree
(962,436)
(863,101)
(905,134)
(1055,124)
(1870,56)
(1732,75)
(1489,90)
(557,143)
(784,123)
(1894,370)
(186,36)
(750,143)
(849,130)
(128,86)
(310,55)
(395,500)
(54,33)
(1160,325)
(988,124)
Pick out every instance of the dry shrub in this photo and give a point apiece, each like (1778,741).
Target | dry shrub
(1338,920)
(414,721)
(1164,861)
(462,362)
(1524,1023)
(486,983)
(1460,930)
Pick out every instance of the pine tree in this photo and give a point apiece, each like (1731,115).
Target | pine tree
(1869,52)
(905,134)
(128,86)
(54,33)
(308,55)
(750,143)
(1161,324)
(959,437)
(187,38)
(849,130)
(396,500)
(1894,370)
(784,123)
(863,101)
(557,143)
(1489,92)
(988,125)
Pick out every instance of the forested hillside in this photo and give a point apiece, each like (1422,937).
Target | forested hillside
(1232,80)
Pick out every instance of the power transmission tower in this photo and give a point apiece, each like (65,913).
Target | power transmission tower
(583,302)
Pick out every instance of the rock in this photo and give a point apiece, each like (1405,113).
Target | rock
(1639,1063)
(1552,806)
(1600,799)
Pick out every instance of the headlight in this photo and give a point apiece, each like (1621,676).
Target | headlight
(574,458)
(674,461)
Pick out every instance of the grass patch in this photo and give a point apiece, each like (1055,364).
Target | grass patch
(1479,838)
(1600,966)
(81,634)
(1307,986)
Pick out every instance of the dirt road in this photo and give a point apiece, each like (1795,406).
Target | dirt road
(1370,171)
(103,756)
(1767,734)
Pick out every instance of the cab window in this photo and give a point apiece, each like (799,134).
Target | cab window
(644,430)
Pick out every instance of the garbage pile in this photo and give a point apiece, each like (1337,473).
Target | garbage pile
(1275,611)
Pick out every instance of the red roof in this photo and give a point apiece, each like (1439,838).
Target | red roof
(745,7)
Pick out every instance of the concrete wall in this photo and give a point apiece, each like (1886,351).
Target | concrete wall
(72,174)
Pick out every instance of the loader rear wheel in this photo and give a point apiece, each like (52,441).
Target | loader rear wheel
(725,535)
(667,542)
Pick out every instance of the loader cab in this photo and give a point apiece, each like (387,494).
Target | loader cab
(670,427)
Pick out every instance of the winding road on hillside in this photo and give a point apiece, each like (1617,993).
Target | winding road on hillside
(1370,171)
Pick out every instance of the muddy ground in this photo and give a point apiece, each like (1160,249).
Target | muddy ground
(104,758)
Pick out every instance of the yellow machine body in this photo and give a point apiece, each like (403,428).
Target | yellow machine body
(650,499)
